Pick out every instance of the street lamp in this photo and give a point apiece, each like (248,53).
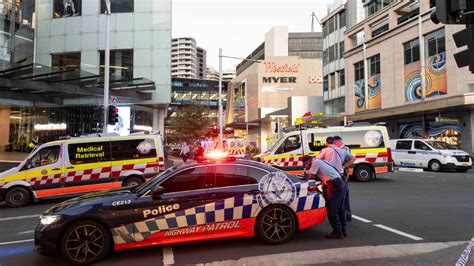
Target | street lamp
(107,64)
(221,118)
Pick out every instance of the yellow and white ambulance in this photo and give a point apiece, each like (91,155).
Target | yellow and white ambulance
(369,144)
(235,147)
(78,165)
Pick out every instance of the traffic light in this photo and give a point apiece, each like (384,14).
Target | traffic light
(113,115)
(462,38)
(452,11)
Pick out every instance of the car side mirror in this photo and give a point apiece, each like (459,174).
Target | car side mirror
(157,191)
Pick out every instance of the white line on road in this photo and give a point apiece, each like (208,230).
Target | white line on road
(465,254)
(398,232)
(16,242)
(361,219)
(168,258)
(9,161)
(19,217)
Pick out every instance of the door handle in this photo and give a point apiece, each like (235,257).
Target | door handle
(70,167)
(56,169)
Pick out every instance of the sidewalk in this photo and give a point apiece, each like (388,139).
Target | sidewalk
(12,156)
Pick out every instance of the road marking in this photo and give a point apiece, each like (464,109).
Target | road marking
(19,217)
(26,232)
(16,242)
(398,232)
(465,254)
(9,161)
(168,258)
(361,219)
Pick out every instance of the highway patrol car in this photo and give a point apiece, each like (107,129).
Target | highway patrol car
(189,203)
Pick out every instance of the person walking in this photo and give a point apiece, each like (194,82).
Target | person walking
(199,155)
(334,191)
(338,141)
(184,153)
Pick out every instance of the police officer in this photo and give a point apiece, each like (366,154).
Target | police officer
(340,144)
(334,192)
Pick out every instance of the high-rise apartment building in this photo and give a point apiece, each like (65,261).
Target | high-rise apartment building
(184,58)
(201,63)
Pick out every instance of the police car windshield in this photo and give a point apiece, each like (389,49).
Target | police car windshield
(139,188)
(441,145)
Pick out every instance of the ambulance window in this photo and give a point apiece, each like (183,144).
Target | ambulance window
(363,139)
(45,156)
(403,145)
(290,144)
(191,179)
(317,141)
(133,149)
(89,152)
(419,145)
(236,175)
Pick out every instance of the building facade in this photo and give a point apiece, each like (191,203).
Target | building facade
(261,96)
(400,69)
(184,56)
(228,74)
(201,63)
(212,74)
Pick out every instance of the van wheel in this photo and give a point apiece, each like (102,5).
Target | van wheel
(132,181)
(363,173)
(434,166)
(17,197)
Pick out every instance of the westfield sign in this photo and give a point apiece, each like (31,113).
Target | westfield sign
(272,67)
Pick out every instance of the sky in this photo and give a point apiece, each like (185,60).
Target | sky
(239,26)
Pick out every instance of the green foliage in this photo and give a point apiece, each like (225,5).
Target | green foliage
(190,123)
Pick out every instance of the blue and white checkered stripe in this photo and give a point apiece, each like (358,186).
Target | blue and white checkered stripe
(235,208)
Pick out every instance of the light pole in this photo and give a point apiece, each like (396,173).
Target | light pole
(107,65)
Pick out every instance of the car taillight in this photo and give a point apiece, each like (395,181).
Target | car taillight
(389,155)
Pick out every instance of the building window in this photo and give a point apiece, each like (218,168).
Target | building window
(359,71)
(332,53)
(374,65)
(407,16)
(342,19)
(325,29)
(342,78)
(412,51)
(341,49)
(375,5)
(66,8)
(121,64)
(434,43)
(325,83)
(118,6)
(65,62)
(331,25)
(332,81)
(377,30)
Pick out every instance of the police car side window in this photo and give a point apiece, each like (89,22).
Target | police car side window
(421,146)
(191,179)
(132,149)
(45,156)
(236,175)
(403,145)
(291,143)
(89,152)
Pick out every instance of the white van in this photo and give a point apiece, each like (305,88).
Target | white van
(430,154)
(79,165)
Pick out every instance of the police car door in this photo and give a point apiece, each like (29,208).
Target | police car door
(184,196)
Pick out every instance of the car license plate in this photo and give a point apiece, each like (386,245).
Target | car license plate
(465,164)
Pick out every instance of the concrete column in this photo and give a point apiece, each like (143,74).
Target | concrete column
(159,115)
(4,127)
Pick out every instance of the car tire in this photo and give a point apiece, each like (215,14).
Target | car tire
(17,197)
(276,224)
(85,242)
(461,170)
(434,166)
(132,181)
(363,173)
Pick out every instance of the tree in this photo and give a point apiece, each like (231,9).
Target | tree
(190,123)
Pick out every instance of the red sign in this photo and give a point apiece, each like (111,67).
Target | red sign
(272,67)
(315,79)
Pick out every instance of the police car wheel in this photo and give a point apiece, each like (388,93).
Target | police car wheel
(276,225)
(434,166)
(17,197)
(132,181)
(85,243)
(363,173)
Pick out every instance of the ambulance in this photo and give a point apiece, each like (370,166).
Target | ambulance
(235,147)
(78,165)
(369,144)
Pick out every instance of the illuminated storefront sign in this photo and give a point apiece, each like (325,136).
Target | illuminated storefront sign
(40,127)
(315,79)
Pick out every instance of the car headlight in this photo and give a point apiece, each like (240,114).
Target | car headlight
(48,219)
(447,155)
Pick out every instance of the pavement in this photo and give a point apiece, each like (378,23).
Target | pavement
(405,218)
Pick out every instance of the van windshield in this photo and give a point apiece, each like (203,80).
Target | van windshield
(441,145)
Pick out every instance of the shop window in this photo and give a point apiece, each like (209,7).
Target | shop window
(133,149)
(363,139)
(66,62)
(419,145)
(411,51)
(89,152)
(291,143)
(403,145)
(121,64)
(118,6)
(66,8)
(45,156)
(187,180)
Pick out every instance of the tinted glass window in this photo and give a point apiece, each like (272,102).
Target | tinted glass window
(403,145)
(236,175)
(66,8)
(363,139)
(421,146)
(133,149)
(290,144)
(45,156)
(91,152)
(317,141)
(65,62)
(118,6)
(121,64)
(191,179)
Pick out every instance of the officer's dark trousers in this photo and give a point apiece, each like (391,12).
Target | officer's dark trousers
(347,205)
(335,206)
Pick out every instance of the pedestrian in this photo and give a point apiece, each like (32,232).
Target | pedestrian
(184,153)
(334,190)
(338,141)
(199,155)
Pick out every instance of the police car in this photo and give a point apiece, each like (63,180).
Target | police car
(203,201)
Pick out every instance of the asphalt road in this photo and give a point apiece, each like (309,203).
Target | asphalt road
(404,218)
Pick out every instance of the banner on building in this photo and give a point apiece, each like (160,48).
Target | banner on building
(375,95)
(359,95)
